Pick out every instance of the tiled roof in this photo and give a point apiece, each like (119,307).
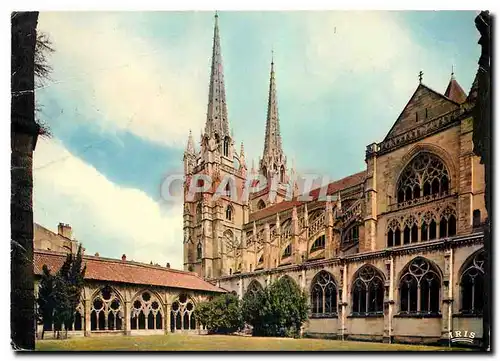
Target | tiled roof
(333,188)
(455,92)
(112,270)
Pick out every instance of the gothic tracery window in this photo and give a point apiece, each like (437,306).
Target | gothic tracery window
(319,243)
(419,288)
(393,233)
(181,314)
(323,295)
(410,232)
(368,291)
(448,223)
(425,175)
(472,285)
(146,313)
(254,287)
(428,229)
(106,312)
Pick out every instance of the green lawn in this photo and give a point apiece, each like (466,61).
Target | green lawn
(177,342)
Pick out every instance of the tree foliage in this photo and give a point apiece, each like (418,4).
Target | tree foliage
(277,310)
(59,294)
(45,300)
(220,315)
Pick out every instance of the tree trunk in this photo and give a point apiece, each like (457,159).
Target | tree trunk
(24,132)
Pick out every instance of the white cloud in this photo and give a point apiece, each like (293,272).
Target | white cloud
(347,47)
(105,217)
(130,82)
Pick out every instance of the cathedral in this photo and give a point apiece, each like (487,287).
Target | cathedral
(396,255)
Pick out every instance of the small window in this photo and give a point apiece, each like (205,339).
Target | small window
(288,251)
(229,213)
(476,218)
(261,204)
(198,251)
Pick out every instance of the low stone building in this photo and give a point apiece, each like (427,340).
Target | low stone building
(123,296)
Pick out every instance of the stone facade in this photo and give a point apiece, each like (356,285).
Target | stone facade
(396,256)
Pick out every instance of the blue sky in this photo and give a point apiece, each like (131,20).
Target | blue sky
(127,87)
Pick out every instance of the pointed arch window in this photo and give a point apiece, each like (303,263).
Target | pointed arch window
(368,292)
(425,175)
(419,288)
(229,213)
(393,233)
(323,296)
(198,251)
(472,285)
(146,312)
(319,243)
(351,235)
(282,174)
(428,229)
(106,311)
(287,252)
(181,314)
(410,231)
(254,287)
(261,204)
(448,223)
(226,147)
(476,218)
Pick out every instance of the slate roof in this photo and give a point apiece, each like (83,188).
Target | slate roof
(333,188)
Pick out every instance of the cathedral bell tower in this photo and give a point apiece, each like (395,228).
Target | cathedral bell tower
(213,220)
(272,165)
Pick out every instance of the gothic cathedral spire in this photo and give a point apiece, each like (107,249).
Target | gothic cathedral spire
(273,159)
(217,124)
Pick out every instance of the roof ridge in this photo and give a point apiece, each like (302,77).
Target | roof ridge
(114,260)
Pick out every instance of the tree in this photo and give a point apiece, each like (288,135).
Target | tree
(45,300)
(27,61)
(24,133)
(220,315)
(482,133)
(68,285)
(277,310)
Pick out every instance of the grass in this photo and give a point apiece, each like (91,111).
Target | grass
(179,342)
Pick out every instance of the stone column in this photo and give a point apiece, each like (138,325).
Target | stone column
(86,306)
(295,237)
(267,242)
(126,317)
(344,300)
(329,241)
(370,219)
(167,318)
(447,309)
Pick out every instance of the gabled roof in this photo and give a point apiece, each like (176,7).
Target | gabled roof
(112,270)
(333,188)
(455,92)
(421,97)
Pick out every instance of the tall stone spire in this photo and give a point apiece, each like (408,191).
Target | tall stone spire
(217,122)
(190,144)
(273,159)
